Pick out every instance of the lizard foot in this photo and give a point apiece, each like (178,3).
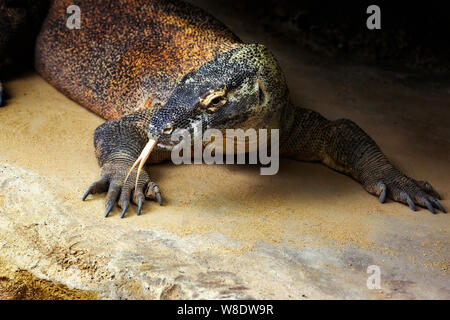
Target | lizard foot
(406,190)
(112,182)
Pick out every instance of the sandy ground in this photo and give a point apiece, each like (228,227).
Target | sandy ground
(226,231)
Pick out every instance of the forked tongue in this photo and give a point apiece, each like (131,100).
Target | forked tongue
(142,159)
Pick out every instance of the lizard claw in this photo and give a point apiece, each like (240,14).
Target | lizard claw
(109,208)
(382,197)
(112,182)
(158,198)
(140,202)
(125,208)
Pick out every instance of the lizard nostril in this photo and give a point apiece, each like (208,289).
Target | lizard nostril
(168,129)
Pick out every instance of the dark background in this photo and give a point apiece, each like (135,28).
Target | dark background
(414,35)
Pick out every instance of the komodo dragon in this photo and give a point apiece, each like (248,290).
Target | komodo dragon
(150,67)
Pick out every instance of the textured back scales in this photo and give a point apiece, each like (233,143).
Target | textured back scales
(128,54)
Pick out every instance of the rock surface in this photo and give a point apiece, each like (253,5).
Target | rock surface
(226,231)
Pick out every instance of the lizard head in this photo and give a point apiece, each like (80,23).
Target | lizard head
(239,89)
(243,88)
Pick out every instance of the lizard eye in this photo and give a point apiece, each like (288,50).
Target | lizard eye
(216,103)
(213,101)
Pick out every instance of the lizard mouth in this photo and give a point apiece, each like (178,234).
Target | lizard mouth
(164,146)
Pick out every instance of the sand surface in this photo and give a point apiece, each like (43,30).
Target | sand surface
(226,231)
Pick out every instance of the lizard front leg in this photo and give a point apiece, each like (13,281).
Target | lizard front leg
(344,146)
(118,143)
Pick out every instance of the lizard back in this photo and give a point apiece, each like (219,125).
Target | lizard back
(129,54)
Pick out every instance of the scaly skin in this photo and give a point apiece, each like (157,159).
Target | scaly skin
(128,55)
(150,67)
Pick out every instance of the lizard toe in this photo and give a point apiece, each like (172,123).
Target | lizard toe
(153,192)
(99,186)
(428,188)
(111,197)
